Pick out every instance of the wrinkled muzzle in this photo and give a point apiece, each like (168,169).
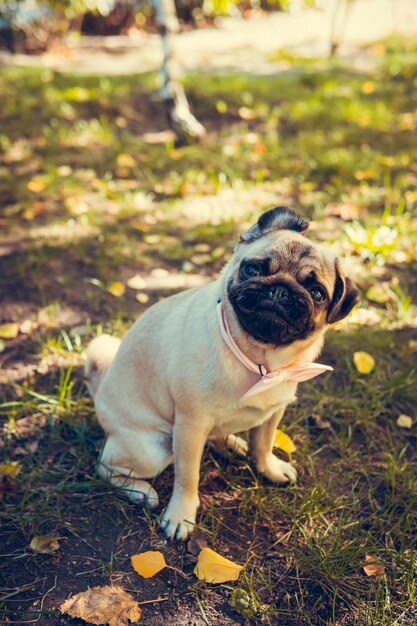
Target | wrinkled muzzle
(277,314)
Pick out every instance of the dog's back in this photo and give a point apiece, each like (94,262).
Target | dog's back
(100,354)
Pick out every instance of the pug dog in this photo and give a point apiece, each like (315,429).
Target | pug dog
(215,360)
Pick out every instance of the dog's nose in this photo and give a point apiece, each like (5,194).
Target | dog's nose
(282,293)
(277,294)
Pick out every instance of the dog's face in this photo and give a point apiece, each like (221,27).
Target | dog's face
(283,288)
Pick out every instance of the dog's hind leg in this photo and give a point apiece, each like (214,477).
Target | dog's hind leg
(133,487)
(230,444)
(126,464)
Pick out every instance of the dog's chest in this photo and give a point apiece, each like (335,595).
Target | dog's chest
(238,415)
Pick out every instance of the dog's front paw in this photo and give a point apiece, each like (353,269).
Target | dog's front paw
(278,471)
(178,520)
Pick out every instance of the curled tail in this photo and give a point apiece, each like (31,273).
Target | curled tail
(99,355)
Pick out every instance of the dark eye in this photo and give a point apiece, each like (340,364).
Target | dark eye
(250,269)
(317,293)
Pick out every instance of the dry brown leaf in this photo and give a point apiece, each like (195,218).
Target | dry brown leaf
(214,568)
(44,544)
(196,544)
(32,446)
(372,569)
(320,423)
(103,605)
(147,564)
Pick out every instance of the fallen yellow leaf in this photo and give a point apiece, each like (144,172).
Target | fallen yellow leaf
(152,239)
(214,568)
(35,209)
(364,362)
(404,421)
(247,114)
(44,544)
(117,289)
(140,226)
(103,605)
(368,87)
(372,569)
(407,121)
(378,294)
(36,185)
(283,442)
(126,160)
(9,331)
(10,469)
(64,170)
(121,121)
(378,49)
(147,564)
(221,106)
(141,297)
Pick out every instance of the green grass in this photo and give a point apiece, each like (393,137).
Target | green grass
(79,214)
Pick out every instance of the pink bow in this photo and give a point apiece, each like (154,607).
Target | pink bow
(298,372)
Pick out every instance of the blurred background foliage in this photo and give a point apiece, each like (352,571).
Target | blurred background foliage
(40,24)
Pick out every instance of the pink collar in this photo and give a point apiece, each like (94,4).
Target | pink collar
(298,372)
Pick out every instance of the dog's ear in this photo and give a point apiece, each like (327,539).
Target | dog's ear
(345,296)
(279,218)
